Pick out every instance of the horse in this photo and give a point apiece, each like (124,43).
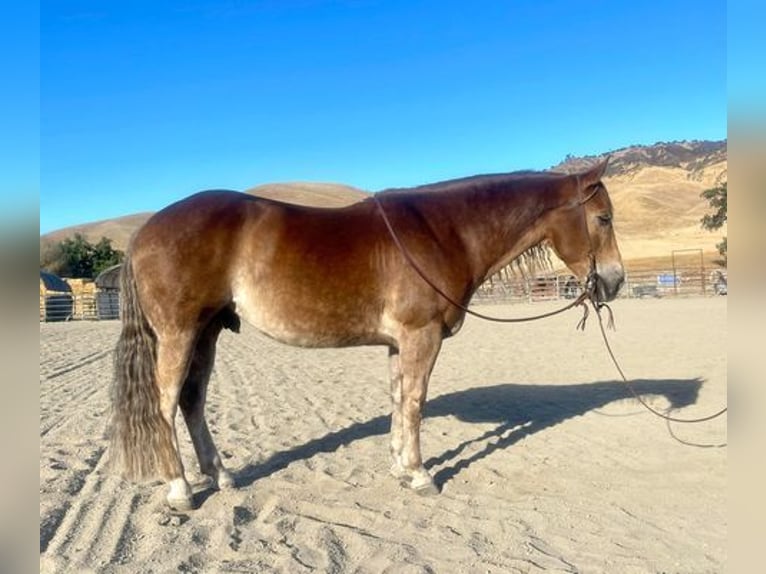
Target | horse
(329,277)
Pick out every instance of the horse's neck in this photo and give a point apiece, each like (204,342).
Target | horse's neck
(495,225)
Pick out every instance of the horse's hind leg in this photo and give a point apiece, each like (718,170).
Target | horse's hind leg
(397,437)
(192,403)
(173,354)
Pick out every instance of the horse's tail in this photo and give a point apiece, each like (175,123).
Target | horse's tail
(141,438)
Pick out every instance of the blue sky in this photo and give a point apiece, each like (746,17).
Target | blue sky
(143,103)
(19,119)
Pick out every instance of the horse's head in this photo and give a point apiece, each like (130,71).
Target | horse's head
(582,235)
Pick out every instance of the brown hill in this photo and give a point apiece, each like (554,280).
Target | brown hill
(309,193)
(655,190)
(120,229)
(656,195)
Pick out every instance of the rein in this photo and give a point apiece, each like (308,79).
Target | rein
(408,257)
(598,307)
(588,295)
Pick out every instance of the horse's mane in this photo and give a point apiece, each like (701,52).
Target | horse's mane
(528,265)
(531,263)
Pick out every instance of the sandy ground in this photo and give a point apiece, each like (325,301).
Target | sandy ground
(545,463)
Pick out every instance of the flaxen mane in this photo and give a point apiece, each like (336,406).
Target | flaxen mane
(528,265)
(532,262)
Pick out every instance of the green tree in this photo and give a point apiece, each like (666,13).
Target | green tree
(77,257)
(716,197)
(104,256)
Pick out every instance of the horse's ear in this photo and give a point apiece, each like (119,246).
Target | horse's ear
(594,174)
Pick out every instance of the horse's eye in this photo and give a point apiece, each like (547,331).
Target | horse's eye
(605,218)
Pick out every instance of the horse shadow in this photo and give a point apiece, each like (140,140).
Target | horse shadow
(516,410)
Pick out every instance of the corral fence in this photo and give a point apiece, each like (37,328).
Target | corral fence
(80,299)
(97,306)
(673,281)
(681,282)
(686,273)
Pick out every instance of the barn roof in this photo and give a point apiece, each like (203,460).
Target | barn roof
(109,278)
(54,282)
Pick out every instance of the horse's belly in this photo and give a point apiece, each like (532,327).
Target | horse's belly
(305,322)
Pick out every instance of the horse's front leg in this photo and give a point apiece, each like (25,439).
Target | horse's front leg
(418,351)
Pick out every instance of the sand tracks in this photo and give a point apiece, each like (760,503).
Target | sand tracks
(545,464)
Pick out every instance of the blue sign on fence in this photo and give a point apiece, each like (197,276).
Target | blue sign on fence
(666,280)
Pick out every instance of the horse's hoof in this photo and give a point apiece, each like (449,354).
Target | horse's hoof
(179,496)
(180,504)
(225,480)
(398,472)
(427,489)
(203,483)
(405,481)
(423,484)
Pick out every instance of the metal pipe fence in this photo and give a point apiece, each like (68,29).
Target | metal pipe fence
(101,305)
(672,282)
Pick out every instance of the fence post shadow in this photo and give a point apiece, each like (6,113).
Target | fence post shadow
(518,410)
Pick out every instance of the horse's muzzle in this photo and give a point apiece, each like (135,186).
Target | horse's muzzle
(608,284)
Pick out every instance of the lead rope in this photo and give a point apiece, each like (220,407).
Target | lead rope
(598,307)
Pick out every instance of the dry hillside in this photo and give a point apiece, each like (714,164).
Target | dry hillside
(655,190)
(305,193)
(120,229)
(656,195)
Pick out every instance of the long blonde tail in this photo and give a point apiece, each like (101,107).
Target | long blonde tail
(141,438)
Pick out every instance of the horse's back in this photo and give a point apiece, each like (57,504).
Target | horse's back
(303,275)
(216,226)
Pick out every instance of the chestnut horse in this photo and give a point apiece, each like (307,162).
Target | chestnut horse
(317,277)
